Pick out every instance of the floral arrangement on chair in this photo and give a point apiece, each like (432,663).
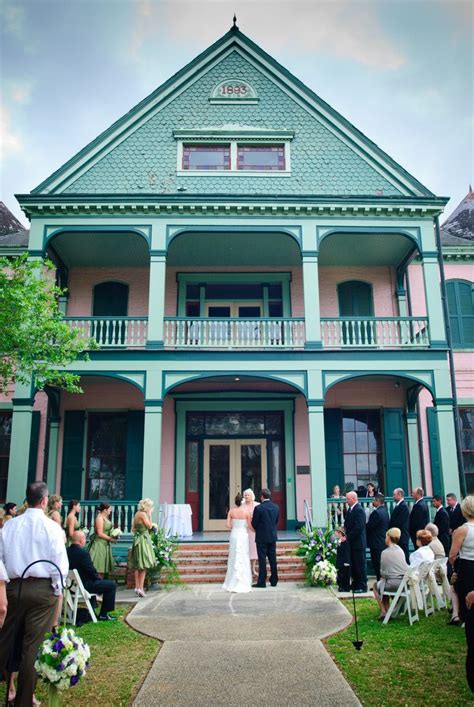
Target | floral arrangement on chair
(164,546)
(62,661)
(318,547)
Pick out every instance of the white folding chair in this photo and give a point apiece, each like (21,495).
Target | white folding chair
(402,598)
(425,584)
(439,584)
(74,593)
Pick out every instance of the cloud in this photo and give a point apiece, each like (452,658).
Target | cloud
(10,141)
(13,18)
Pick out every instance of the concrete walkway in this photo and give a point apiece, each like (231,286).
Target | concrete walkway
(256,649)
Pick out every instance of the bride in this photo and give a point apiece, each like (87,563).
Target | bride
(239,574)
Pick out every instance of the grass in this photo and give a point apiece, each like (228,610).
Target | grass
(400,664)
(120,660)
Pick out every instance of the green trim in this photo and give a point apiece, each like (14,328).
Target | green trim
(121,375)
(443,401)
(413,233)
(142,230)
(172,231)
(368,374)
(465,402)
(278,376)
(17,402)
(252,134)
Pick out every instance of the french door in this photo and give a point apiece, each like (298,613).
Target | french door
(230,467)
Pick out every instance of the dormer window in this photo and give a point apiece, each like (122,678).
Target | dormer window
(269,158)
(206,157)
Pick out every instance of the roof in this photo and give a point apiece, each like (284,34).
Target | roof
(12,232)
(458,230)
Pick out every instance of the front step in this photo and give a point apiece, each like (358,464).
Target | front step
(200,563)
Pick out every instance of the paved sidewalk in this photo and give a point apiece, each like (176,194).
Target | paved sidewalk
(256,649)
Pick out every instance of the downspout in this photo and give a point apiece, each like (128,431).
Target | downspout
(444,298)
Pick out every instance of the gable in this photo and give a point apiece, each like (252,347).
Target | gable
(327,158)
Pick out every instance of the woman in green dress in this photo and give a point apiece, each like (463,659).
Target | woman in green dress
(143,555)
(72,521)
(101,548)
(54,508)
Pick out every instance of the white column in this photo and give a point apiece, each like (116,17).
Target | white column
(152,451)
(311,299)
(53,454)
(434,305)
(156,299)
(447,446)
(317,454)
(19,450)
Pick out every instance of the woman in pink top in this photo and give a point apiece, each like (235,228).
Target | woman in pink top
(249,503)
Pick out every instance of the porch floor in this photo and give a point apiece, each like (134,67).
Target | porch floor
(219,536)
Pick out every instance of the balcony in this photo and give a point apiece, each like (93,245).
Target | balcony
(112,332)
(233,333)
(371,332)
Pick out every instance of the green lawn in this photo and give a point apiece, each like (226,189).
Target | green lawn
(120,660)
(400,664)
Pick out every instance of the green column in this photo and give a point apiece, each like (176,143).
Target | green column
(52,454)
(433,300)
(156,300)
(311,299)
(447,447)
(414,449)
(402,302)
(19,450)
(317,455)
(152,451)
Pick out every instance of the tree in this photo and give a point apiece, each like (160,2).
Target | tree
(34,339)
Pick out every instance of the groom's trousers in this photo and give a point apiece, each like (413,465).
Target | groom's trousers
(265,550)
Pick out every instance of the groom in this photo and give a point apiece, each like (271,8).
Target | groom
(265,519)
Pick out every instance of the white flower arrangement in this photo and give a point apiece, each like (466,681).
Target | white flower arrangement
(324,573)
(115,533)
(63,659)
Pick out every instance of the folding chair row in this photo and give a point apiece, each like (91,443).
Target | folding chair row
(419,590)
(74,593)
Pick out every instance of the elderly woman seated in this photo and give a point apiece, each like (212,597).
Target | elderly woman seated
(436,544)
(423,553)
(393,566)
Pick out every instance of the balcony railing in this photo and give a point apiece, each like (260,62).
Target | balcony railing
(338,508)
(112,332)
(381,333)
(234,333)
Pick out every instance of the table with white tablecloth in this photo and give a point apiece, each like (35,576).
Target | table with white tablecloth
(176,519)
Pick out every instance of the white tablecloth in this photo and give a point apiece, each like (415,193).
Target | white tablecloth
(176,518)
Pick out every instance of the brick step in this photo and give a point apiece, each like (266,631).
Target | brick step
(288,544)
(219,578)
(184,557)
(213,569)
(205,563)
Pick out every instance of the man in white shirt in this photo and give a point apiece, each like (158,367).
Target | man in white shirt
(29,537)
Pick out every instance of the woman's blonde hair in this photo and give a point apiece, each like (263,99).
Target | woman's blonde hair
(250,492)
(146,505)
(467,507)
(52,500)
(394,535)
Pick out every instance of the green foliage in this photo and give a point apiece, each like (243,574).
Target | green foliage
(164,546)
(316,546)
(34,339)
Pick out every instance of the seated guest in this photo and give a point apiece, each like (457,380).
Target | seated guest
(436,544)
(423,553)
(10,511)
(343,561)
(392,568)
(80,560)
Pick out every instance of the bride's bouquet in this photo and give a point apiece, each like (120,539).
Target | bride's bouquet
(116,533)
(62,661)
(324,574)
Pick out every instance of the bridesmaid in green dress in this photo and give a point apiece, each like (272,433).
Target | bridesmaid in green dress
(101,549)
(72,521)
(143,555)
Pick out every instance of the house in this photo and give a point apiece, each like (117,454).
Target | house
(264,284)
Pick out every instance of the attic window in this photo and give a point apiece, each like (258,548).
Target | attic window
(234,156)
(206,157)
(261,158)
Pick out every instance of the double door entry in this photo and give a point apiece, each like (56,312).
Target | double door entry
(230,467)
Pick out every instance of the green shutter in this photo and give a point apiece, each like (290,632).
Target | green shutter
(395,450)
(433,441)
(134,473)
(461,312)
(73,449)
(333,446)
(35,425)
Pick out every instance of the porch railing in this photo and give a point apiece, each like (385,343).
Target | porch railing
(121,516)
(382,333)
(234,333)
(112,332)
(338,508)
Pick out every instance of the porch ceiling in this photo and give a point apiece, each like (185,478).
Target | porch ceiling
(368,249)
(244,248)
(95,249)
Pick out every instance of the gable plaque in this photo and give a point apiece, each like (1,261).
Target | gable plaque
(235,91)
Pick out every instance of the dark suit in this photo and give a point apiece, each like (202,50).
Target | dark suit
(441,520)
(456,518)
(265,520)
(419,517)
(377,526)
(356,535)
(399,519)
(80,560)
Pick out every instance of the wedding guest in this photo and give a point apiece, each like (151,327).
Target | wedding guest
(10,511)
(456,518)
(336,491)
(29,537)
(72,520)
(423,553)
(101,543)
(3,593)
(54,508)
(80,560)
(399,519)
(393,566)
(376,529)
(436,545)
(469,629)
(371,490)
(249,504)
(2,517)
(143,555)
(419,515)
(441,520)
(356,534)
(463,544)
(343,561)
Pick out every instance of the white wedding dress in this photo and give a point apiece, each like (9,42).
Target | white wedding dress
(239,574)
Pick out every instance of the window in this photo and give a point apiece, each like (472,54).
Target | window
(355,302)
(466,416)
(5,436)
(109,302)
(206,157)
(107,456)
(261,157)
(461,312)
(362,449)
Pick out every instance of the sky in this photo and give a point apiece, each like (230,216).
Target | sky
(400,70)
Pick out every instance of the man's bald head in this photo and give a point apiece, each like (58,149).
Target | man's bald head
(351,498)
(78,538)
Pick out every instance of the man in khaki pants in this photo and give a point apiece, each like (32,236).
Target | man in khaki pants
(26,538)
